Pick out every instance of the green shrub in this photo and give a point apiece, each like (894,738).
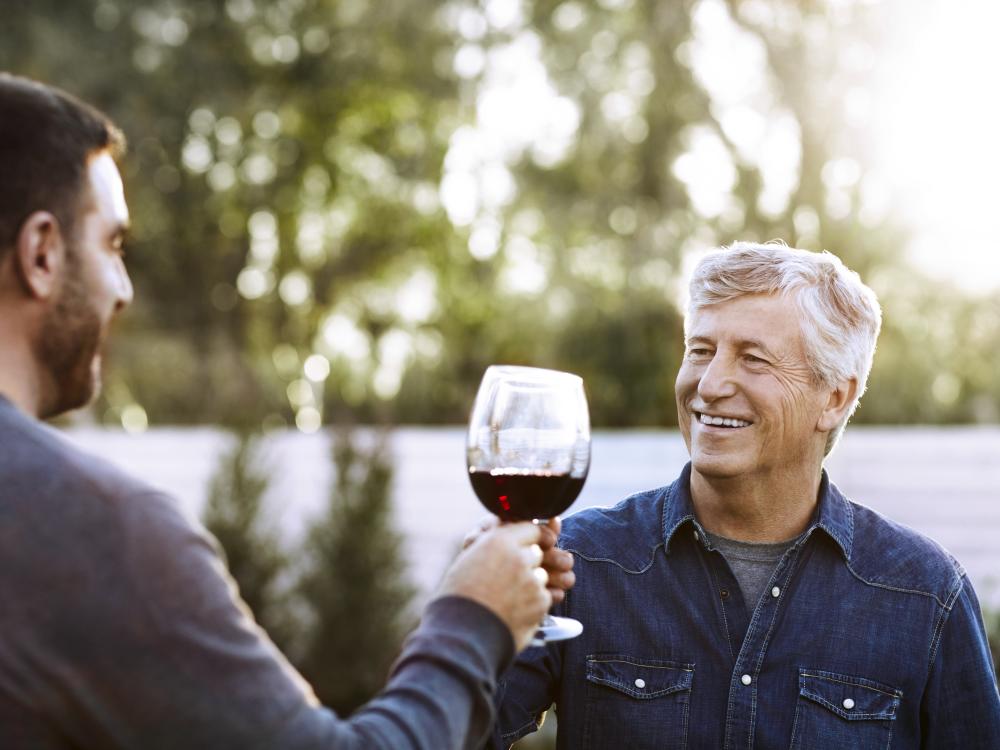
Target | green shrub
(355,582)
(234,514)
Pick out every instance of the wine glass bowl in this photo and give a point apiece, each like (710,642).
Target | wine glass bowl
(528,451)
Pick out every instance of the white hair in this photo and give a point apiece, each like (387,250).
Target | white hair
(840,320)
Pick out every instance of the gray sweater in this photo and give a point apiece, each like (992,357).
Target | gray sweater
(120,628)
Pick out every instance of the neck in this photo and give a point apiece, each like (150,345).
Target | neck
(20,380)
(758,509)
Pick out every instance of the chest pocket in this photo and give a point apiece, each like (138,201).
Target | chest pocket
(637,703)
(838,711)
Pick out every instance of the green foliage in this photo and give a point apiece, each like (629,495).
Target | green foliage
(285,171)
(234,515)
(341,608)
(938,358)
(992,620)
(280,154)
(355,582)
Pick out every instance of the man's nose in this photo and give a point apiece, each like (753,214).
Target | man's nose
(718,378)
(124,291)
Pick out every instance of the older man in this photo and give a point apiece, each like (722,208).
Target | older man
(119,627)
(750,604)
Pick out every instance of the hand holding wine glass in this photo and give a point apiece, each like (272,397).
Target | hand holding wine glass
(558,563)
(497,568)
(528,450)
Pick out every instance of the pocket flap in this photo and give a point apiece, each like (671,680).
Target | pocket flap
(644,678)
(852,698)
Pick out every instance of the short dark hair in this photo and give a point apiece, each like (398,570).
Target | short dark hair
(46,138)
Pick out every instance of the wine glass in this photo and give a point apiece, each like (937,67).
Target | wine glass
(528,452)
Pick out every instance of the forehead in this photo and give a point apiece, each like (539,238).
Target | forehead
(107,193)
(768,318)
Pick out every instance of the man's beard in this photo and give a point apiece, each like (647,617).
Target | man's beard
(70,341)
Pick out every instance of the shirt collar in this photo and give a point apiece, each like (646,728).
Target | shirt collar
(678,509)
(833,513)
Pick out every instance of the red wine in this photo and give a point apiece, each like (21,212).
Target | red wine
(521,496)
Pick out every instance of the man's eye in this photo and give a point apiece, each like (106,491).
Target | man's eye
(699,352)
(754,359)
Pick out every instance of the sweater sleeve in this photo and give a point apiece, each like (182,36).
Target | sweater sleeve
(173,658)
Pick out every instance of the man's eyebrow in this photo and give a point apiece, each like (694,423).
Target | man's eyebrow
(756,344)
(698,340)
(742,344)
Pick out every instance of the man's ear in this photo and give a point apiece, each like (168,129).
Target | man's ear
(840,400)
(40,255)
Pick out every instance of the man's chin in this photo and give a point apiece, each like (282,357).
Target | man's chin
(76,393)
(717,466)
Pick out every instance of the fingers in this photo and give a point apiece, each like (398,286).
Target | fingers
(535,556)
(558,564)
(559,584)
(550,532)
(483,527)
(543,534)
(557,560)
(503,569)
(536,573)
(523,533)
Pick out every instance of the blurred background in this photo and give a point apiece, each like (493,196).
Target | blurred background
(345,210)
(349,209)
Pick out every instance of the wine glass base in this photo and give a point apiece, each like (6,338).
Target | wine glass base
(557,629)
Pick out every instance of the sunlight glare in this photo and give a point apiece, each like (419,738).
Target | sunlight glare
(935,114)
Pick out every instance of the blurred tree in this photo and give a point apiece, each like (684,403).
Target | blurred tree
(349,207)
(355,582)
(234,515)
(281,152)
(992,621)
(663,166)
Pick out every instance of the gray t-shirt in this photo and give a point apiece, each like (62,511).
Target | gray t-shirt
(751,563)
(120,628)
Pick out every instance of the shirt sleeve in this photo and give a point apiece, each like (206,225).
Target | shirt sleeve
(961,706)
(172,658)
(526,691)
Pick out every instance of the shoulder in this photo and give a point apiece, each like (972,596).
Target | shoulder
(47,478)
(82,523)
(626,534)
(891,555)
(38,454)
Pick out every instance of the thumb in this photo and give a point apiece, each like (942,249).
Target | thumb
(523,533)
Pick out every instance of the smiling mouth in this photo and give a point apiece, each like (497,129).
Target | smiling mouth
(715,421)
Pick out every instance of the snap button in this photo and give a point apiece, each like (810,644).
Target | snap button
(640,683)
(775,592)
(848,704)
(746,679)
(724,593)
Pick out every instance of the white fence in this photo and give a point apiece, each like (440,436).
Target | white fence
(944,482)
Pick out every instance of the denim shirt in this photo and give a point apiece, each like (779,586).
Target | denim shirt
(868,635)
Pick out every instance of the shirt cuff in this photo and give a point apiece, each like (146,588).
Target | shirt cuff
(467,619)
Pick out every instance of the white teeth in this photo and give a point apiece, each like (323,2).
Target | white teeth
(722,421)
